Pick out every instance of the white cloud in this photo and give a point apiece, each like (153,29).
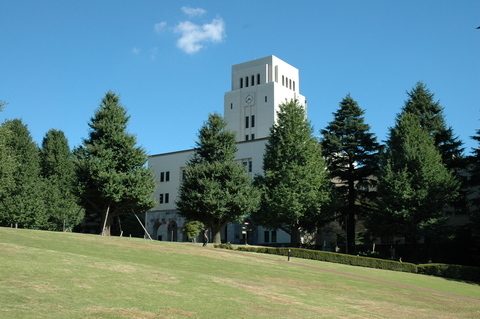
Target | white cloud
(136,50)
(193,12)
(159,27)
(194,35)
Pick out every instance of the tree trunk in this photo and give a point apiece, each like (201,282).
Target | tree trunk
(217,233)
(107,220)
(294,236)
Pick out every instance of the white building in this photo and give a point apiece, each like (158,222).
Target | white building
(250,109)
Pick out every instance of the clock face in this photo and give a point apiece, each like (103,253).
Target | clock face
(249,99)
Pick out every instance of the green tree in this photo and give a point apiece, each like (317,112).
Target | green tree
(296,190)
(216,190)
(58,170)
(430,115)
(192,229)
(112,177)
(22,201)
(351,152)
(414,186)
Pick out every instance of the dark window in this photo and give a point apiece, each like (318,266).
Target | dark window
(253,136)
(250,166)
(160,199)
(246,137)
(253,120)
(167,197)
(253,80)
(246,81)
(246,121)
(231,106)
(258,78)
(294,85)
(241,82)
(266,236)
(162,177)
(167,176)
(274,236)
(265,98)
(283,80)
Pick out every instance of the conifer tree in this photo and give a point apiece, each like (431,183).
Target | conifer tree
(430,115)
(351,152)
(112,177)
(22,198)
(414,186)
(215,190)
(58,170)
(295,186)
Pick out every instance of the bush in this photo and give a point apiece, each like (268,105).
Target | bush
(334,257)
(451,271)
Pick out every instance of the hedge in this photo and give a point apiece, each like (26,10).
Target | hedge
(442,270)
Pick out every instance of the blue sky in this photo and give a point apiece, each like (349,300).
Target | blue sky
(170,61)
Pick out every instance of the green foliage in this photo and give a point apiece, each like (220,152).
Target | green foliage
(351,152)
(192,229)
(111,171)
(295,185)
(58,170)
(334,258)
(22,195)
(215,190)
(450,271)
(414,185)
(421,104)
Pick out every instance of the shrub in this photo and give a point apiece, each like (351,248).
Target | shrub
(451,271)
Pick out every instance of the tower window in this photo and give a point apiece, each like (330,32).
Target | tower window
(283,80)
(253,121)
(231,106)
(294,85)
(246,121)
(246,82)
(241,82)
(265,98)
(246,137)
(253,80)
(258,78)
(253,137)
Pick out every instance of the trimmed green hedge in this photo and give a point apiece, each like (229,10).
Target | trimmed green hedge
(451,271)
(442,270)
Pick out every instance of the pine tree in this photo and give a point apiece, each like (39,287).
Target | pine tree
(216,190)
(295,185)
(430,115)
(58,170)
(21,203)
(111,172)
(351,152)
(414,186)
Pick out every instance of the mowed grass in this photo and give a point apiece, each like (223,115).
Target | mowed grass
(68,275)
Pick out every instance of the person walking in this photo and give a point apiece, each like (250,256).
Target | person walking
(205,237)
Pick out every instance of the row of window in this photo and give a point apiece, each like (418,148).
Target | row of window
(164,198)
(249,121)
(164,176)
(266,238)
(249,137)
(288,83)
(249,80)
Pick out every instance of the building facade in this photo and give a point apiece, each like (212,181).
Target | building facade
(258,87)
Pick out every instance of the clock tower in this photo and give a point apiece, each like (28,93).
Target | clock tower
(258,87)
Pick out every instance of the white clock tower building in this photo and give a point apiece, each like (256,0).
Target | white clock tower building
(258,87)
(250,109)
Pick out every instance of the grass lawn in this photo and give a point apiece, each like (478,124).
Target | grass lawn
(68,275)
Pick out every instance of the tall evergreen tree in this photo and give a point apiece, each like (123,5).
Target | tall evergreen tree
(295,186)
(430,115)
(112,177)
(351,152)
(22,202)
(58,170)
(215,190)
(414,186)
